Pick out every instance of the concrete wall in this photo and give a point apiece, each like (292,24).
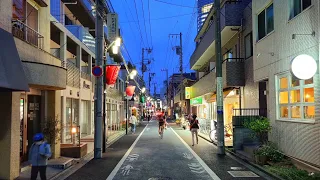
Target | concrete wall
(9,135)
(297,139)
(5,14)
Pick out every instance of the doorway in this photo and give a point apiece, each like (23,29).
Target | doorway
(263,105)
(33,118)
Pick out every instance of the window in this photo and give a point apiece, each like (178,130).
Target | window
(265,22)
(298,6)
(295,98)
(248,45)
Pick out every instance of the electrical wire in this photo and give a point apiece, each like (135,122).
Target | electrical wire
(168,17)
(150,24)
(175,4)
(144,22)
(135,5)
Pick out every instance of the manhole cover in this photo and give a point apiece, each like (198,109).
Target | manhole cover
(242,174)
(160,178)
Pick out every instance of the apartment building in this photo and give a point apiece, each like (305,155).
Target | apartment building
(239,90)
(283,30)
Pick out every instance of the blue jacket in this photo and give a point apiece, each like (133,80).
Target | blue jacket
(39,154)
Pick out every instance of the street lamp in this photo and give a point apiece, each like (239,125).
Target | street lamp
(132,74)
(304,66)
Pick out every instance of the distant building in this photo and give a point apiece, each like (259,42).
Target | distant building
(204,7)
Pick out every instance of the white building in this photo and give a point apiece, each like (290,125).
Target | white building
(281,31)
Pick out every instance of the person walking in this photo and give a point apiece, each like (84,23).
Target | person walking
(39,154)
(194,126)
(133,121)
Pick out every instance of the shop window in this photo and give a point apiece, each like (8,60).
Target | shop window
(265,22)
(295,98)
(297,6)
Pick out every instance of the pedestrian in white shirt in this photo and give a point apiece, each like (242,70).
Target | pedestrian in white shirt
(133,122)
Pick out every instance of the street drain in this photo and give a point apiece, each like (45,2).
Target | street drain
(242,174)
(160,178)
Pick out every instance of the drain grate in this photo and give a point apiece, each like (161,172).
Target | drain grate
(242,174)
(160,178)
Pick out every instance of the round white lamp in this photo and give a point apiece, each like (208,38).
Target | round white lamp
(304,66)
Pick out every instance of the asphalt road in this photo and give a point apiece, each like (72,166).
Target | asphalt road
(145,156)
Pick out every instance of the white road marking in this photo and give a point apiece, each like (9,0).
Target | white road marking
(133,157)
(116,169)
(187,156)
(126,170)
(204,165)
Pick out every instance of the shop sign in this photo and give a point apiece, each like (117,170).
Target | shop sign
(188,92)
(112,24)
(195,101)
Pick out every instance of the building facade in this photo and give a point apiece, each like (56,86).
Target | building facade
(204,7)
(293,104)
(239,90)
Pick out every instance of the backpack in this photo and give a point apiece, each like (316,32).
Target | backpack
(45,149)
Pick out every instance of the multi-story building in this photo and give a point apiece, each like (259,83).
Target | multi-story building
(51,51)
(283,30)
(204,7)
(239,90)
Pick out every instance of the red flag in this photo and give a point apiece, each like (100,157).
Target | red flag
(112,72)
(130,90)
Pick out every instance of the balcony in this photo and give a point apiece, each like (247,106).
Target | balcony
(73,75)
(232,73)
(83,35)
(27,34)
(84,12)
(230,22)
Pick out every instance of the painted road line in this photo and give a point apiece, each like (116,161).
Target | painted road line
(204,165)
(117,168)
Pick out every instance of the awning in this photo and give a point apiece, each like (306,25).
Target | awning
(225,94)
(12,75)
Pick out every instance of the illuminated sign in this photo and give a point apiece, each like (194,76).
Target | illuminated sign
(112,24)
(196,101)
(188,92)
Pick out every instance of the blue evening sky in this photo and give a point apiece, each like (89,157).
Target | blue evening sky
(165,19)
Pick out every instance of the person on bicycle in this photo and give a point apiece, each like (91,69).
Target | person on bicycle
(161,124)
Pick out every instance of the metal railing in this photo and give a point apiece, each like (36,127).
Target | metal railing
(85,76)
(73,75)
(250,112)
(26,33)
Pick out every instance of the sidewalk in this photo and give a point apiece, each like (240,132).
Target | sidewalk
(54,173)
(101,168)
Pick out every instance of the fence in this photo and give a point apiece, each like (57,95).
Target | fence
(26,33)
(250,112)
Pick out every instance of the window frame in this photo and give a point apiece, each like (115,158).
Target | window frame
(251,45)
(300,104)
(292,14)
(264,10)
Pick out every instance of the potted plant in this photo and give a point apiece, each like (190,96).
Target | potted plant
(51,130)
(260,127)
(261,155)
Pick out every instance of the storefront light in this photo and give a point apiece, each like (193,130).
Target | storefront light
(74,130)
(304,66)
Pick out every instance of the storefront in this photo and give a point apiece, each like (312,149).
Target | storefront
(114,116)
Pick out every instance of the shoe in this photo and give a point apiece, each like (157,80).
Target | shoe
(192,144)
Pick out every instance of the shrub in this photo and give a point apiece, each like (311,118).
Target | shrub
(260,127)
(271,151)
(293,173)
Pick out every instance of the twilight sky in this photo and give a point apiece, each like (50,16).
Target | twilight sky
(166,17)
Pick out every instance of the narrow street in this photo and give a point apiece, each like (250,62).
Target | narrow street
(150,157)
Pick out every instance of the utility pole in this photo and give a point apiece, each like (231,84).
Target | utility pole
(155,89)
(143,66)
(220,121)
(181,65)
(166,70)
(98,125)
(150,79)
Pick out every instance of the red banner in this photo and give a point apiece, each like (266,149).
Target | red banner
(112,72)
(130,90)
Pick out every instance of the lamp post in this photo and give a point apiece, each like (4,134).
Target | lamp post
(131,75)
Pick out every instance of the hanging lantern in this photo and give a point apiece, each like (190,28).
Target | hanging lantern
(130,90)
(112,72)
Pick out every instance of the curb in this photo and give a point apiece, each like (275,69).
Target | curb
(260,168)
(81,162)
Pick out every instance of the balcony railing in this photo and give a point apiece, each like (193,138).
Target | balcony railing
(83,35)
(73,75)
(250,112)
(85,76)
(26,33)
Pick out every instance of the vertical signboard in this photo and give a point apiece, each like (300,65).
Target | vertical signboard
(112,24)
(188,91)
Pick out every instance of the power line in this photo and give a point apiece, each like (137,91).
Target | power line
(150,23)
(144,22)
(135,5)
(168,17)
(176,4)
